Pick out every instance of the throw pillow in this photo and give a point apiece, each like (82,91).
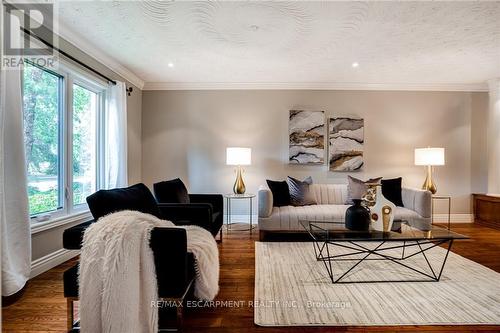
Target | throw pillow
(391,189)
(171,191)
(356,188)
(136,197)
(300,193)
(280,191)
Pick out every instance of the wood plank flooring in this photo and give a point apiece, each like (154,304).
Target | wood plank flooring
(42,307)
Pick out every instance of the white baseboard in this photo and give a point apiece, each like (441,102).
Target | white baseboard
(51,260)
(454,218)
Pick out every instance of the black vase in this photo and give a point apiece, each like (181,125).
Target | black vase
(357,217)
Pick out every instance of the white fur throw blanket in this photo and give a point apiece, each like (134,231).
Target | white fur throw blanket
(117,276)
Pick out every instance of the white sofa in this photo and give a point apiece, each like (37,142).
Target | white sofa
(331,200)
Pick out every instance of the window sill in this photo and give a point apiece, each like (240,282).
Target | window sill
(60,221)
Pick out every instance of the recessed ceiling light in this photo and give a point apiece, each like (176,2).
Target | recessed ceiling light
(355,65)
(170,64)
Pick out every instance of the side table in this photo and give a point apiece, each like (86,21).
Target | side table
(231,196)
(442,197)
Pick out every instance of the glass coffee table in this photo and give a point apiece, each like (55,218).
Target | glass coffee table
(332,243)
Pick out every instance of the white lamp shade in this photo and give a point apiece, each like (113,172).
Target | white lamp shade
(429,156)
(238,156)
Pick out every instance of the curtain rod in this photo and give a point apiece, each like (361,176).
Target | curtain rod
(30,33)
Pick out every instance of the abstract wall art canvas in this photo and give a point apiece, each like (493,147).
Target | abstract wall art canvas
(345,141)
(306,137)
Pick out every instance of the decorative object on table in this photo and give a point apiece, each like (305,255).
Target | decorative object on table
(429,157)
(280,191)
(345,149)
(239,156)
(356,188)
(392,190)
(382,213)
(369,198)
(300,193)
(229,220)
(306,131)
(357,217)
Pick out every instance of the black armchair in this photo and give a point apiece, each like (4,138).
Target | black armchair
(175,204)
(174,264)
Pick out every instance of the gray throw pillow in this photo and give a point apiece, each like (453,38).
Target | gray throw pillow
(356,188)
(300,193)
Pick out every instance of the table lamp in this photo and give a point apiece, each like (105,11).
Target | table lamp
(429,157)
(238,156)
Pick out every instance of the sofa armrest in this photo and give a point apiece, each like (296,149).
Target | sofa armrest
(169,247)
(216,200)
(73,237)
(418,200)
(265,202)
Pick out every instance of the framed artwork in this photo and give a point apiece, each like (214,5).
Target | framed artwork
(306,131)
(345,144)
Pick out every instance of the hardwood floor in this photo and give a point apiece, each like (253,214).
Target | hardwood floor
(42,308)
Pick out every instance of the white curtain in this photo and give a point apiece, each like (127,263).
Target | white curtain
(116,136)
(14,215)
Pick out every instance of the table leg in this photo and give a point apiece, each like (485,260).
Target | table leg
(449,213)
(228,213)
(250,215)
(432,211)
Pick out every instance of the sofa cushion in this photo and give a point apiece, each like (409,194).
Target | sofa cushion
(280,191)
(288,217)
(300,194)
(391,189)
(136,197)
(329,194)
(356,188)
(171,191)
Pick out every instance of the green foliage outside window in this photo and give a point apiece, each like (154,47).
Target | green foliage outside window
(42,92)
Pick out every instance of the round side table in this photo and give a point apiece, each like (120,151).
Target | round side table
(231,196)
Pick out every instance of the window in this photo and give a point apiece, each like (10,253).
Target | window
(42,132)
(85,104)
(62,126)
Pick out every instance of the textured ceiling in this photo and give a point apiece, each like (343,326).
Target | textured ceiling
(407,43)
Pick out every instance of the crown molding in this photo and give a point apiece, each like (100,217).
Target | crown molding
(473,87)
(100,56)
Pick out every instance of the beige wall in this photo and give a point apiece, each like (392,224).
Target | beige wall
(493,137)
(479,153)
(185,134)
(48,241)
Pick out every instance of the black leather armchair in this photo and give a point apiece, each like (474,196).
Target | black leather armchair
(204,210)
(174,264)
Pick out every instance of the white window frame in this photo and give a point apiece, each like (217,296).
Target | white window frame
(70,213)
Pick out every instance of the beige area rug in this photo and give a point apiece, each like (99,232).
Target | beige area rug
(293,289)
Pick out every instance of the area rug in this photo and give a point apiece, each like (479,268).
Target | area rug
(293,289)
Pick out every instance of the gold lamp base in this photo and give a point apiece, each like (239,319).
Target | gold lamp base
(239,185)
(429,184)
